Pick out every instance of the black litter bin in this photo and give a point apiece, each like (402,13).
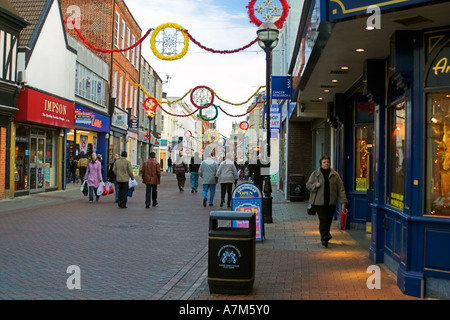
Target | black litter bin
(231,254)
(297,187)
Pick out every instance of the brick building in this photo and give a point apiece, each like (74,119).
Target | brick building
(110,25)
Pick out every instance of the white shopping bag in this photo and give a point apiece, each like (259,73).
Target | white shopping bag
(132,183)
(100,188)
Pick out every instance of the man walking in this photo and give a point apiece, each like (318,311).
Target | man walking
(208,169)
(123,172)
(151,176)
(193,169)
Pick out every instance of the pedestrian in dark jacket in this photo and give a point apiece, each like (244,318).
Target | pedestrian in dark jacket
(254,170)
(112,176)
(151,177)
(326,188)
(180,168)
(193,169)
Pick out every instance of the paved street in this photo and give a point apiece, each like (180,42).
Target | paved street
(161,253)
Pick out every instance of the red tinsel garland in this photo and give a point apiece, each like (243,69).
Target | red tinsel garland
(279,23)
(90,45)
(219,51)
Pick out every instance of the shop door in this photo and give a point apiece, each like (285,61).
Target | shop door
(37,164)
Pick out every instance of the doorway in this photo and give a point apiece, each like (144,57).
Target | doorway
(37,163)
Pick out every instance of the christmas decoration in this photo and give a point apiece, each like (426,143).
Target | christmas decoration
(170,42)
(268,10)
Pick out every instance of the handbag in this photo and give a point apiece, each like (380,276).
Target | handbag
(100,188)
(85,188)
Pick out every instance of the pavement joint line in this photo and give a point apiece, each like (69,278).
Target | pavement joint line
(171,284)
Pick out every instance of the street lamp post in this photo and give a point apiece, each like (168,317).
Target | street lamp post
(267,39)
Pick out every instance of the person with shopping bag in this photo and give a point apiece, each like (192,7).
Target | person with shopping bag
(93,177)
(122,170)
(326,188)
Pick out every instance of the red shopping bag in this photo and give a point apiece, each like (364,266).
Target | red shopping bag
(109,187)
(344,218)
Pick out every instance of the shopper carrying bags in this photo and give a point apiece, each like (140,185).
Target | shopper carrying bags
(326,188)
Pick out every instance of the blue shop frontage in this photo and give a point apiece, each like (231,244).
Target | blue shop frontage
(384,75)
(90,134)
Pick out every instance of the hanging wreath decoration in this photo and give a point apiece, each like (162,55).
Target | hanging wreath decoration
(244,125)
(202,97)
(170,42)
(187,134)
(211,119)
(213,136)
(150,101)
(268,10)
(223,143)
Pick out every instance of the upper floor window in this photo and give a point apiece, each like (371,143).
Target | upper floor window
(116,30)
(89,85)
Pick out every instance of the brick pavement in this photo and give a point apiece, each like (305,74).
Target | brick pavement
(160,253)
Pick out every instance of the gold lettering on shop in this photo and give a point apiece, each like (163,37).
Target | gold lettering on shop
(441,67)
(55,107)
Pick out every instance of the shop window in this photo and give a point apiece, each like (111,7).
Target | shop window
(22,158)
(397,164)
(363,157)
(438,154)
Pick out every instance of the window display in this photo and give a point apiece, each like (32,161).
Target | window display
(397,154)
(438,154)
(363,158)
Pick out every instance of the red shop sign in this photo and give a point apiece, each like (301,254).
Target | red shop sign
(35,106)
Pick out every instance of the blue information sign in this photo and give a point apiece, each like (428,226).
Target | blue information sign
(247,197)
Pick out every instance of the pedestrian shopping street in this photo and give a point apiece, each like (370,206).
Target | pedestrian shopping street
(160,253)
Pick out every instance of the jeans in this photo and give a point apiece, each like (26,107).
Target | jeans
(225,188)
(212,191)
(194,180)
(74,177)
(92,191)
(151,189)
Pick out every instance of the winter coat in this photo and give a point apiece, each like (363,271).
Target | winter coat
(83,161)
(122,170)
(227,172)
(208,169)
(93,174)
(151,172)
(337,189)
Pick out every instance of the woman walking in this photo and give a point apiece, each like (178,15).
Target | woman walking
(180,168)
(227,175)
(326,187)
(93,177)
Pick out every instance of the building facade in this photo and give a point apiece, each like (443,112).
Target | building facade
(11,24)
(110,25)
(46,100)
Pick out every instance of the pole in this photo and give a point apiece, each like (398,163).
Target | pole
(267,200)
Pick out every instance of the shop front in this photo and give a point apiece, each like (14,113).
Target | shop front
(39,129)
(89,135)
